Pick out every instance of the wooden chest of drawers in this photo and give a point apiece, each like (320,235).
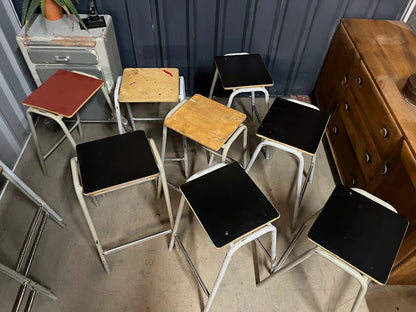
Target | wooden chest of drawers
(372,131)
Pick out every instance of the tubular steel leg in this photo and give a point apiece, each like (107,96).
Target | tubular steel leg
(30,301)
(185,156)
(117,106)
(81,199)
(177,221)
(78,122)
(255,154)
(214,81)
(35,139)
(130,113)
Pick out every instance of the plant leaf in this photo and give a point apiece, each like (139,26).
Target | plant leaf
(30,10)
(60,2)
(74,11)
(42,7)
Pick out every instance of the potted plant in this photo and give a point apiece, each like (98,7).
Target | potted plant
(29,7)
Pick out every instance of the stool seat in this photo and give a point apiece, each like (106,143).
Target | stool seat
(242,71)
(360,232)
(228,204)
(114,161)
(205,121)
(64,93)
(149,85)
(295,125)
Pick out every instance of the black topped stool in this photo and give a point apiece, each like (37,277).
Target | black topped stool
(295,127)
(231,209)
(359,233)
(242,73)
(113,163)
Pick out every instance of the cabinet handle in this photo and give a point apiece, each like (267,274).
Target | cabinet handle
(386,169)
(367,157)
(359,80)
(62,59)
(334,129)
(384,132)
(346,106)
(353,180)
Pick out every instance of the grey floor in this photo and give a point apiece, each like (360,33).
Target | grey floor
(148,277)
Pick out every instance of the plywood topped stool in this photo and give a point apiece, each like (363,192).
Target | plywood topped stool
(295,127)
(359,233)
(113,163)
(143,85)
(62,96)
(242,73)
(208,123)
(231,209)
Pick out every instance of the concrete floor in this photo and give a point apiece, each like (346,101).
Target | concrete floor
(148,277)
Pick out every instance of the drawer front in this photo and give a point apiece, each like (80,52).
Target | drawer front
(364,149)
(378,119)
(335,73)
(346,162)
(62,56)
(45,71)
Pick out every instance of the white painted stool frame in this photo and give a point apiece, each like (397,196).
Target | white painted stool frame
(233,247)
(225,147)
(364,281)
(59,120)
(300,189)
(122,122)
(30,244)
(79,191)
(242,90)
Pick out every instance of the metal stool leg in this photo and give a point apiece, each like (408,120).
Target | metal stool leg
(214,81)
(78,190)
(177,221)
(130,113)
(35,139)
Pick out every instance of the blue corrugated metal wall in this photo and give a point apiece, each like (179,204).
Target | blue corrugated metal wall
(292,36)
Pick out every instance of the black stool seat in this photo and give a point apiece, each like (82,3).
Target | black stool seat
(239,71)
(228,204)
(360,231)
(294,124)
(115,160)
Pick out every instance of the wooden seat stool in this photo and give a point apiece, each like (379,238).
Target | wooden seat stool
(356,231)
(295,127)
(144,85)
(62,96)
(233,212)
(242,73)
(208,123)
(113,163)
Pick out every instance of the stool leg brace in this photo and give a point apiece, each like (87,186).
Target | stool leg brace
(78,189)
(233,248)
(300,189)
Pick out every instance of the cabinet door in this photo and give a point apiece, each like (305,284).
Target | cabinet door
(343,153)
(396,184)
(335,73)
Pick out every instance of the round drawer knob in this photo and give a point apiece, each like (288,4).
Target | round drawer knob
(384,132)
(359,80)
(346,106)
(367,157)
(344,80)
(386,169)
(335,129)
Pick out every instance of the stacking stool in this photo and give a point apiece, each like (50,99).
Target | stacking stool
(359,233)
(231,209)
(295,127)
(208,123)
(143,85)
(28,251)
(62,95)
(113,163)
(242,73)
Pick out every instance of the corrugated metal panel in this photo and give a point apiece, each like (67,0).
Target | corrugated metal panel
(15,84)
(292,36)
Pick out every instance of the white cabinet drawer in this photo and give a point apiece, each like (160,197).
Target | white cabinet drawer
(46,55)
